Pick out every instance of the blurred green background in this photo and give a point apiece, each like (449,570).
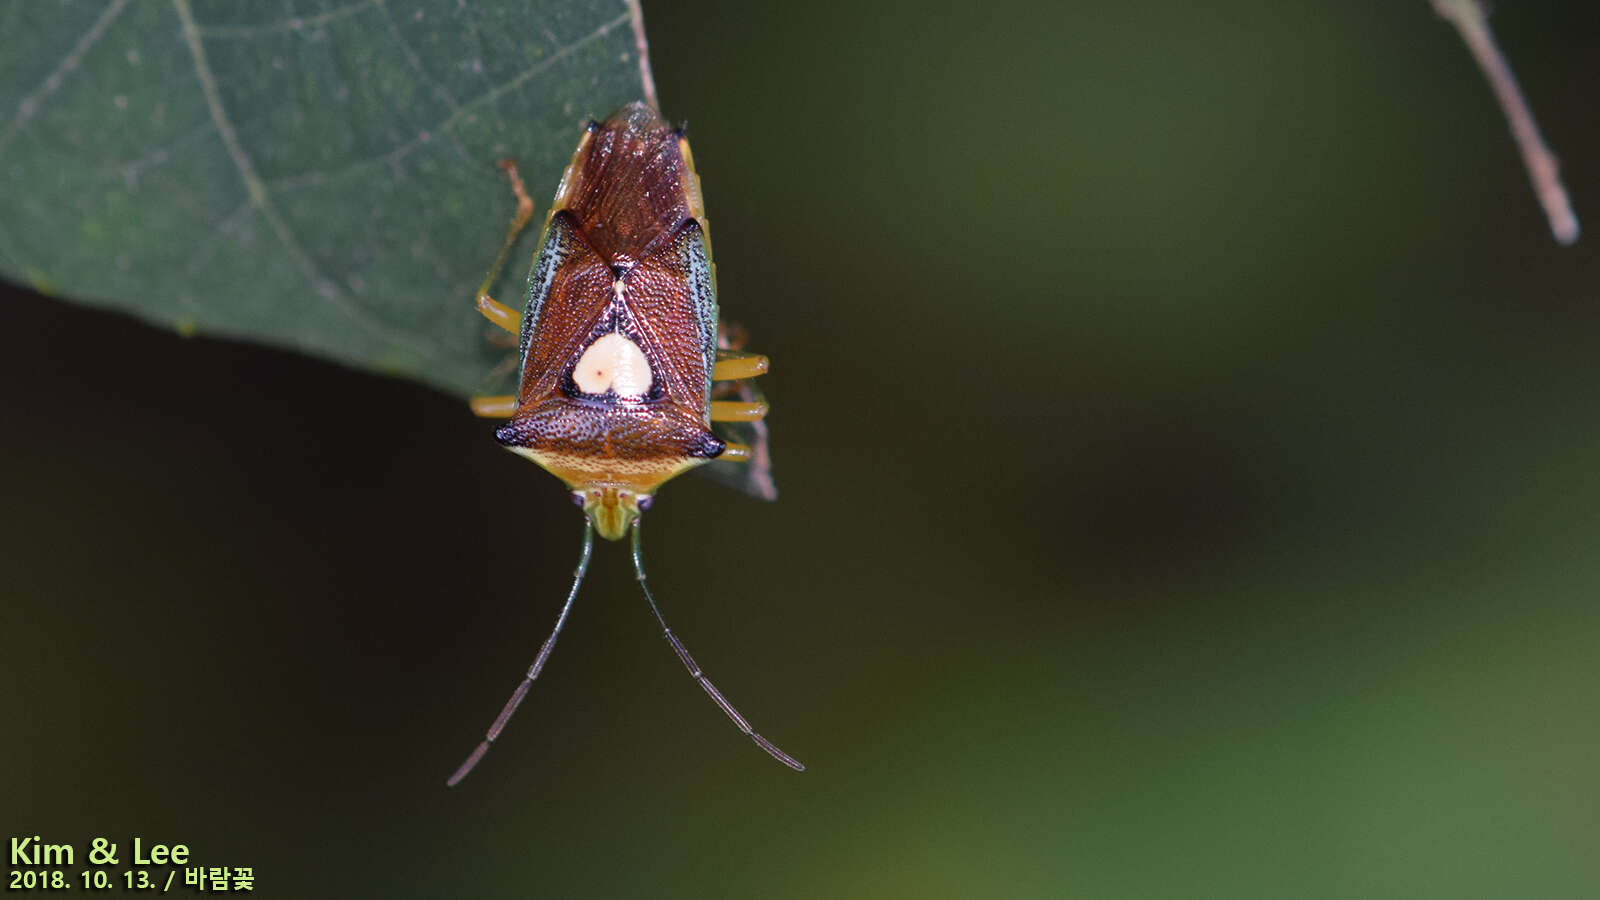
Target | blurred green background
(1187,434)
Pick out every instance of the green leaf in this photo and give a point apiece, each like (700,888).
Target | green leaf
(323,180)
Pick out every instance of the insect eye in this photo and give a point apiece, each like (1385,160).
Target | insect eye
(577,498)
(645,501)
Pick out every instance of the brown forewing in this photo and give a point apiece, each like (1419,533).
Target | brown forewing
(578,296)
(628,194)
(667,296)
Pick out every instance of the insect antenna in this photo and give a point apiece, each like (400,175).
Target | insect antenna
(722,703)
(533,670)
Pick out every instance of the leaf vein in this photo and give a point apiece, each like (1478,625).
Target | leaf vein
(293,23)
(412,60)
(29,107)
(393,156)
(415,62)
(260,199)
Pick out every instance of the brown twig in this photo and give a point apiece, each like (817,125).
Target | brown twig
(1470,20)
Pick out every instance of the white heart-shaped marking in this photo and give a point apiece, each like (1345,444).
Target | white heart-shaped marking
(614,363)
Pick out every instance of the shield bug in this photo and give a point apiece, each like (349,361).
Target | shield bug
(621,356)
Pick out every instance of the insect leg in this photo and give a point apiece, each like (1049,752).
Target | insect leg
(501,315)
(533,670)
(494,407)
(750,434)
(735,411)
(722,703)
(732,366)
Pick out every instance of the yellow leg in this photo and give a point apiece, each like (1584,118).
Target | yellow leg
(736,453)
(732,366)
(736,411)
(494,407)
(501,315)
